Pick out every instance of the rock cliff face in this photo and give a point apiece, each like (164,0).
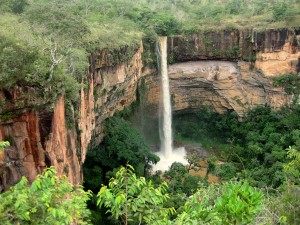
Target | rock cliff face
(239,84)
(277,51)
(224,85)
(111,88)
(41,136)
(257,46)
(38,139)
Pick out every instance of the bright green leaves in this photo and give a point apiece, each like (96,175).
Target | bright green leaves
(3,144)
(133,199)
(238,204)
(230,203)
(130,198)
(292,168)
(49,200)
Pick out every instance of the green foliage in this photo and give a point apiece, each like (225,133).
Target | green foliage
(193,159)
(134,199)
(292,168)
(232,203)
(204,124)
(211,165)
(281,207)
(122,144)
(3,144)
(290,83)
(18,57)
(280,11)
(255,148)
(226,171)
(15,6)
(180,181)
(26,62)
(93,176)
(238,203)
(56,20)
(49,200)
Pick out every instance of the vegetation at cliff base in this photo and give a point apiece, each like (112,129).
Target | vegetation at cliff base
(135,200)
(50,199)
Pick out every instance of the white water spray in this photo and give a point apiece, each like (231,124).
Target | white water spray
(167,154)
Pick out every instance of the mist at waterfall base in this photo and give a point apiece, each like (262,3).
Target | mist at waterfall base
(167,154)
(165,162)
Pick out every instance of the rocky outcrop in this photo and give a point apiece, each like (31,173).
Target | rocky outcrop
(38,139)
(277,51)
(223,85)
(43,136)
(273,51)
(112,87)
(221,44)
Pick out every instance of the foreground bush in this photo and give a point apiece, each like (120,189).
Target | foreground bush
(49,200)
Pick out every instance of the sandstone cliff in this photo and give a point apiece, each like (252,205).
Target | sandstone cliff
(266,48)
(40,137)
(224,85)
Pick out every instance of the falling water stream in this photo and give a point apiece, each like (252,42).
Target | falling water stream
(166,111)
(167,154)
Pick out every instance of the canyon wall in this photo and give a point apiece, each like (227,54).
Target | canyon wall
(223,85)
(42,135)
(265,48)
(239,80)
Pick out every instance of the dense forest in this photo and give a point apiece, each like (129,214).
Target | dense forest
(45,44)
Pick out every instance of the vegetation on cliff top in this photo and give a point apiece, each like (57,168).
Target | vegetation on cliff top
(45,43)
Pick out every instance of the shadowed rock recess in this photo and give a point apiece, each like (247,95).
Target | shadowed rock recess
(229,70)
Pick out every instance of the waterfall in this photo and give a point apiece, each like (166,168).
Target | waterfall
(167,154)
(166,111)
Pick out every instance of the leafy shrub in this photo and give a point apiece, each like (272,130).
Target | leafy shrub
(226,171)
(49,200)
(231,203)
(280,11)
(134,199)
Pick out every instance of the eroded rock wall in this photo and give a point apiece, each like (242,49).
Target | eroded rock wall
(277,51)
(40,135)
(38,138)
(224,85)
(112,87)
(257,46)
